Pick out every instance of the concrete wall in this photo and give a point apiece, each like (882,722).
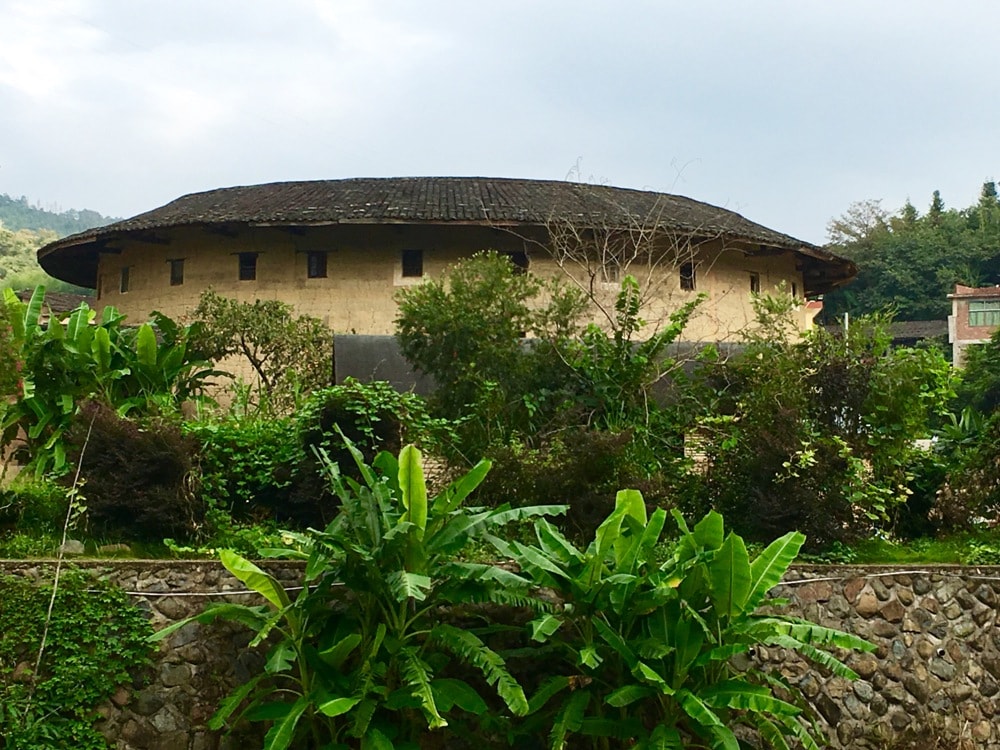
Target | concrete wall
(364,273)
(934,681)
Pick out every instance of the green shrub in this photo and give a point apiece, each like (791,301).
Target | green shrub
(96,642)
(579,467)
(32,505)
(246,466)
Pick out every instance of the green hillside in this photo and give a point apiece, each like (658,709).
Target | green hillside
(24,228)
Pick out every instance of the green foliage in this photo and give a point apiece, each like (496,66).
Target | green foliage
(584,467)
(979,385)
(468,332)
(245,466)
(972,492)
(32,505)
(910,263)
(358,655)
(643,653)
(616,373)
(96,642)
(289,355)
(64,363)
(374,416)
(9,366)
(818,432)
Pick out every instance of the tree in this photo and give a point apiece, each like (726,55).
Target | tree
(909,263)
(816,434)
(288,355)
(857,226)
(487,334)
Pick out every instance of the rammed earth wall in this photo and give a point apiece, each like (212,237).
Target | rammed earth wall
(932,683)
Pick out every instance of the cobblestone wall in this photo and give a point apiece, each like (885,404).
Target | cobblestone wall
(932,683)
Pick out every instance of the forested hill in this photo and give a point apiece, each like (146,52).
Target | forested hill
(25,228)
(909,261)
(18,213)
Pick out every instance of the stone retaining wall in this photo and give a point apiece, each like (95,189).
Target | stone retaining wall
(932,683)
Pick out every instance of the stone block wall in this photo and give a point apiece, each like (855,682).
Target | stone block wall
(932,683)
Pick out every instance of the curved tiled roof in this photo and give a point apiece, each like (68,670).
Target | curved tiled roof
(434,200)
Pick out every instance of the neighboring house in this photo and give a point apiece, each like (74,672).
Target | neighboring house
(904,332)
(59,304)
(975,316)
(340,249)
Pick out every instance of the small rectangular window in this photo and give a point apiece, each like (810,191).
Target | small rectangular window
(316,265)
(413,264)
(687,274)
(126,279)
(984,313)
(755,283)
(176,272)
(248,266)
(795,290)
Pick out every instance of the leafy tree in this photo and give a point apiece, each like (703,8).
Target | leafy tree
(488,335)
(288,354)
(979,382)
(909,263)
(816,434)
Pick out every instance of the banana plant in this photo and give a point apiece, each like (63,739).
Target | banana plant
(65,362)
(646,649)
(360,655)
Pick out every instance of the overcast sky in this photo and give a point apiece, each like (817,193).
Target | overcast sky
(783,111)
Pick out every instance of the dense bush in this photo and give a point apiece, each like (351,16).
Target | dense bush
(96,641)
(817,434)
(972,491)
(35,506)
(469,332)
(136,476)
(579,467)
(245,466)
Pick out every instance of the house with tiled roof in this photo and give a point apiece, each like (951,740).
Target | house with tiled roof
(341,249)
(975,317)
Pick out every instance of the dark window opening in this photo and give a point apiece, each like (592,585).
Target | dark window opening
(177,272)
(248,266)
(795,290)
(413,263)
(687,277)
(126,280)
(519,260)
(755,283)
(316,265)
